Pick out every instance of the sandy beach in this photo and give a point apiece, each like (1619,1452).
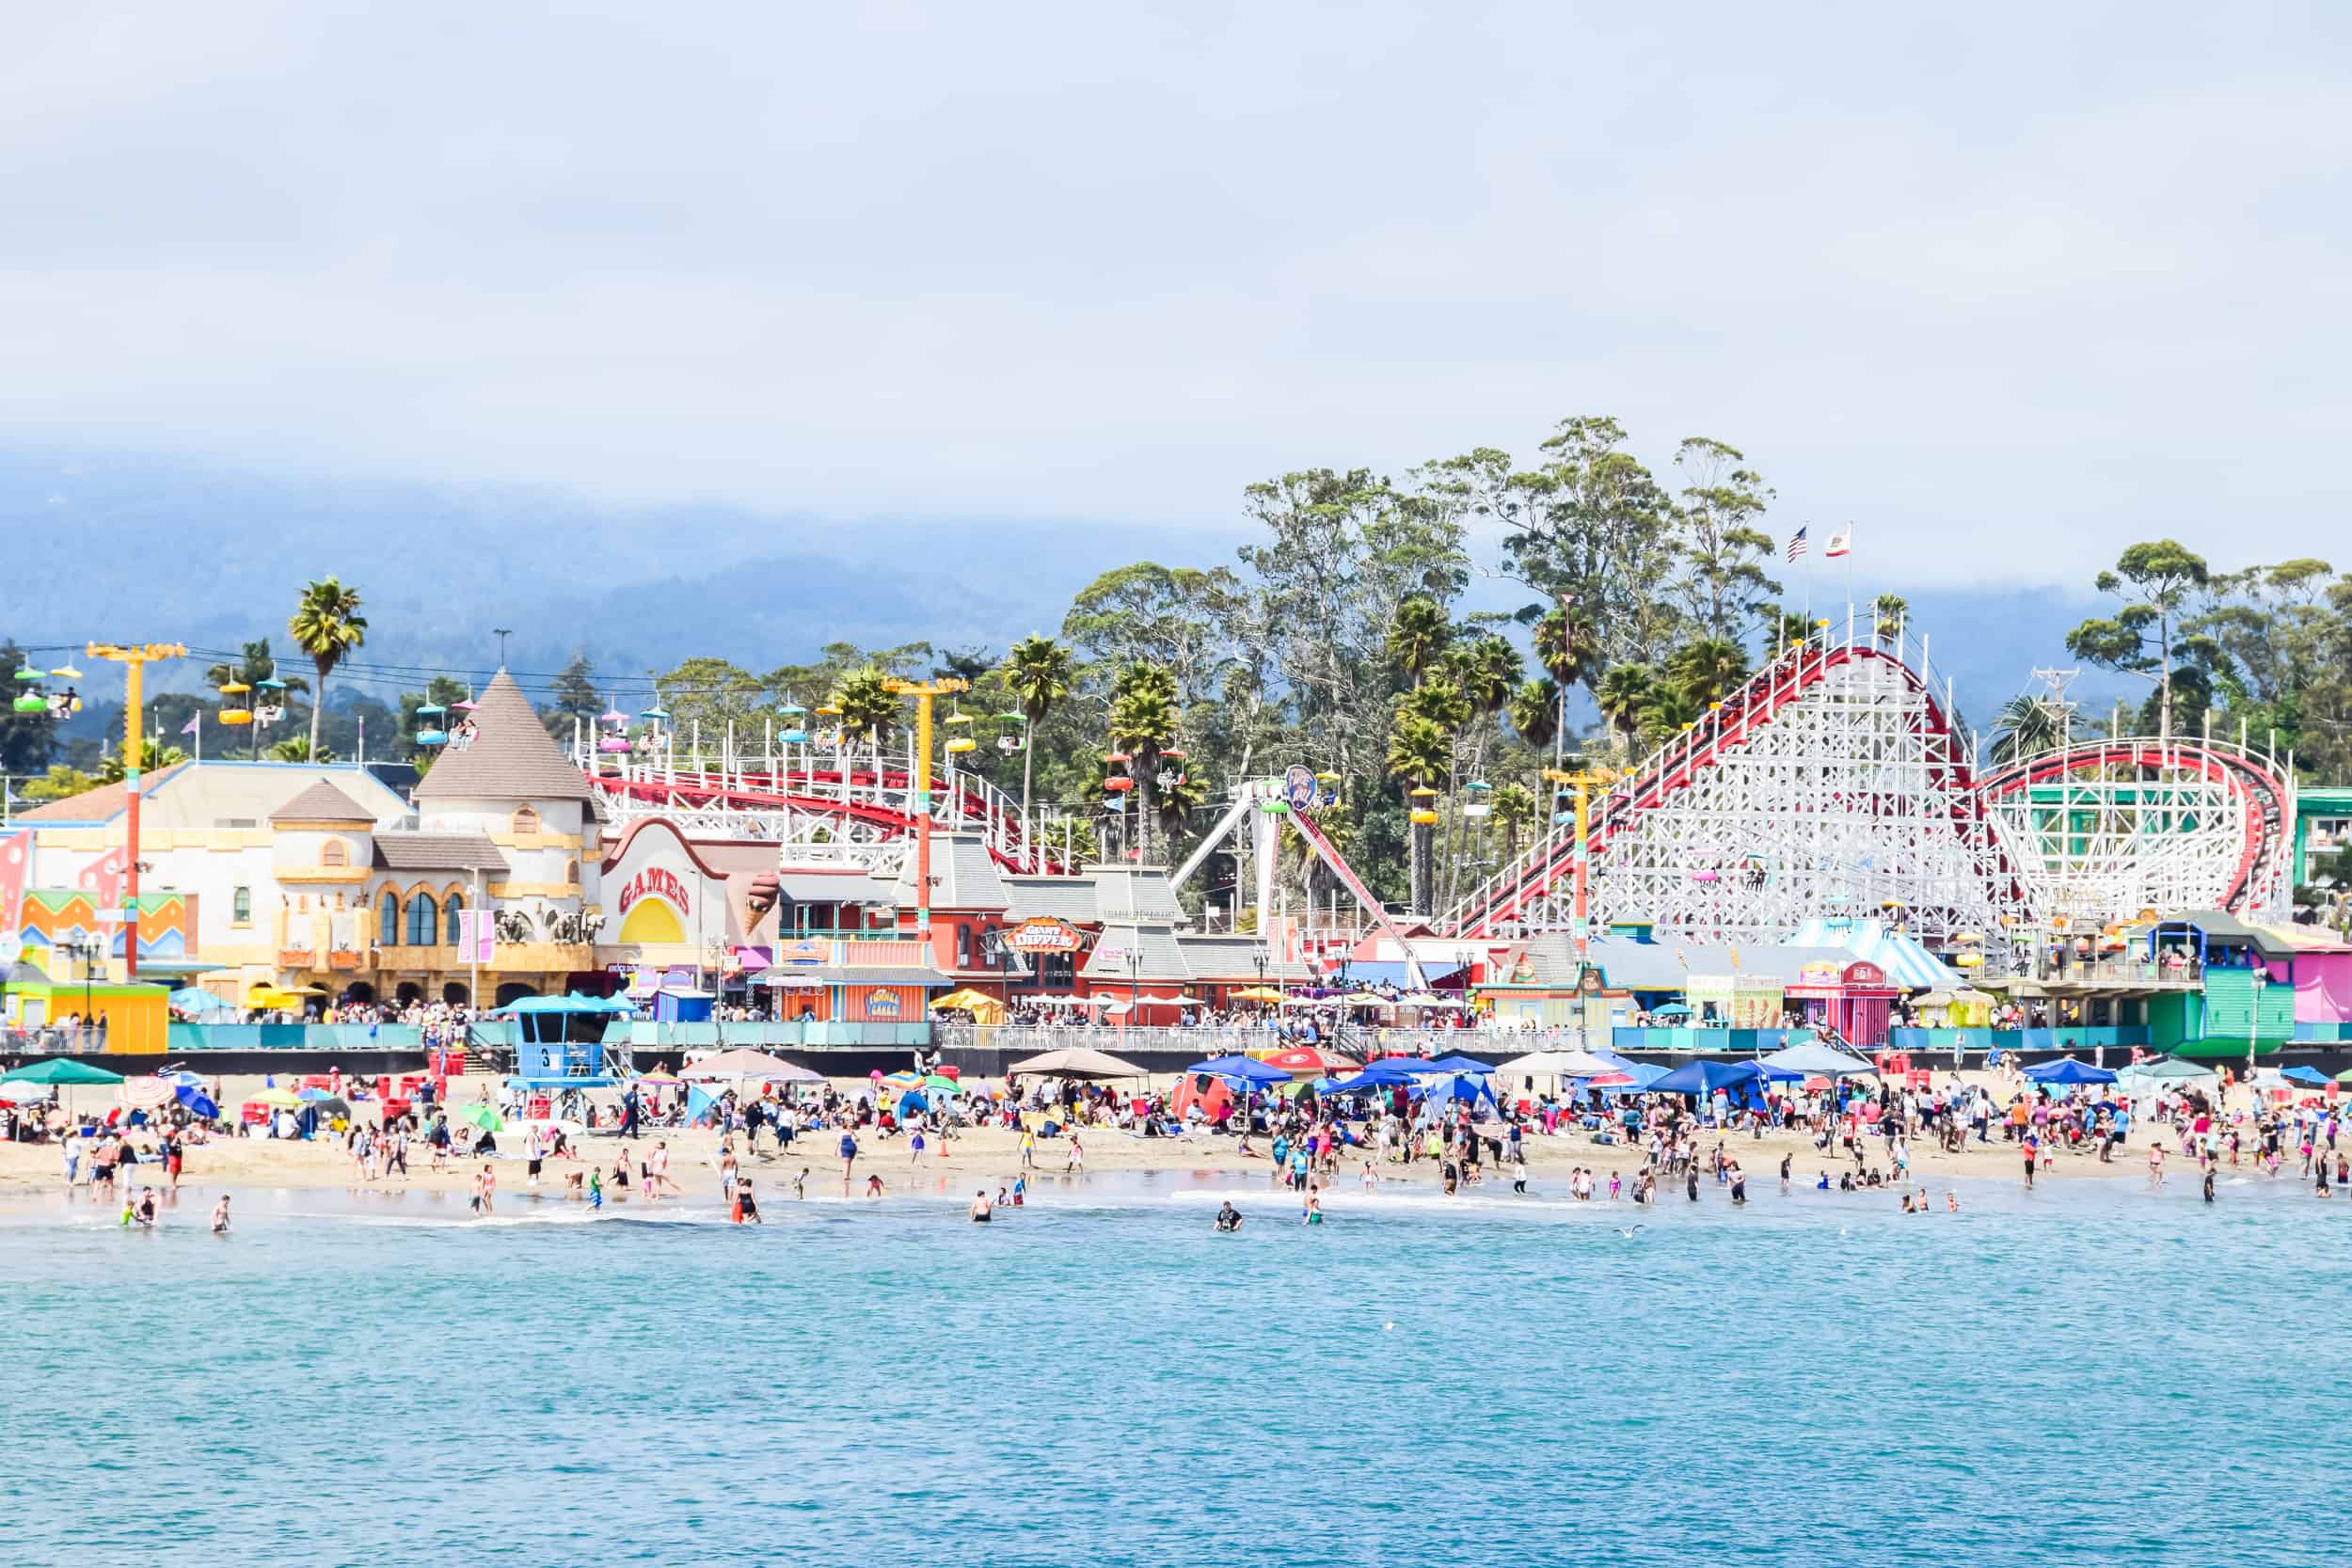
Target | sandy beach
(989,1157)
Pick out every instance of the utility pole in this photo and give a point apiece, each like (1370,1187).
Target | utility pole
(1581,781)
(503,633)
(923,691)
(134,659)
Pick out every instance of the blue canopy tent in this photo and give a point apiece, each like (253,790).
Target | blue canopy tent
(1457,1063)
(1704,1077)
(1810,1059)
(2309,1075)
(2068,1070)
(1387,1074)
(1244,1070)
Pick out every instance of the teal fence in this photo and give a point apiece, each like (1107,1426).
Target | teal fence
(318,1037)
(761,1036)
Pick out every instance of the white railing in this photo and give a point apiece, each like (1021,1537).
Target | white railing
(1782,681)
(714,792)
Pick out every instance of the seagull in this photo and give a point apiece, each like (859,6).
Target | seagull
(1628,1234)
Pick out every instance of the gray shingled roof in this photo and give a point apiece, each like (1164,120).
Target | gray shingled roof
(398,852)
(1224,957)
(1069,898)
(834,887)
(963,874)
(511,757)
(1139,894)
(322,803)
(1163,955)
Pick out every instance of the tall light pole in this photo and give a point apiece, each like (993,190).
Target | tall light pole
(923,691)
(133,658)
(501,633)
(1581,781)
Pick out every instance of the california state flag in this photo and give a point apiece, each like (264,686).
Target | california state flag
(1840,544)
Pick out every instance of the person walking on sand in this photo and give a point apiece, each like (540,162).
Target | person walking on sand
(657,1170)
(2155,1166)
(485,1191)
(848,1158)
(1076,1166)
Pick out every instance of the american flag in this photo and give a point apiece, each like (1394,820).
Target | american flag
(1796,544)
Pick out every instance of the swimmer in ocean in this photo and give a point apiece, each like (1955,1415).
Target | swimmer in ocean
(981,1207)
(1228,1217)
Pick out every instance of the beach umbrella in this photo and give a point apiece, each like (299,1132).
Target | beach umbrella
(1257,993)
(63,1070)
(312,1097)
(912,1102)
(1672,1009)
(332,1107)
(283,1100)
(143,1094)
(940,1083)
(1308,1061)
(18,1092)
(2345,1076)
(481,1114)
(198,1103)
(2173,1069)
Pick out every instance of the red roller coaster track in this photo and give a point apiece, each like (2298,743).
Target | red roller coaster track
(2259,797)
(804,792)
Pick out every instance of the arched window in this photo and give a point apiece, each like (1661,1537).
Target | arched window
(241,907)
(334,852)
(453,913)
(526,820)
(571,873)
(388,920)
(423,920)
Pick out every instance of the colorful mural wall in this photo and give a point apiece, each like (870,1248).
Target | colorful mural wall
(49,917)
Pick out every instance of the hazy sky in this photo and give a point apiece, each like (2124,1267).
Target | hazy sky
(2009,286)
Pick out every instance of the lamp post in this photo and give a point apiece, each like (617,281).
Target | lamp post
(133,658)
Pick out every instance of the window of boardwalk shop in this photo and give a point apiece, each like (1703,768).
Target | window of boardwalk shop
(423,918)
(388,920)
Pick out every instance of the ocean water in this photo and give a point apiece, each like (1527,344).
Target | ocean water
(2091,1374)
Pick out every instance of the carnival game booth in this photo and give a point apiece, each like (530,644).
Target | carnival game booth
(1851,1003)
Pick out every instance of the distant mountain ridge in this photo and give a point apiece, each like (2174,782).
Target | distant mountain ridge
(135,549)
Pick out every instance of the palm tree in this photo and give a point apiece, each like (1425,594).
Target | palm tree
(1569,651)
(153,757)
(1624,692)
(1516,808)
(1143,718)
(1419,751)
(1887,612)
(1037,670)
(1670,711)
(2027,727)
(326,625)
(1182,795)
(1535,712)
(1418,635)
(1492,673)
(868,707)
(255,664)
(1710,669)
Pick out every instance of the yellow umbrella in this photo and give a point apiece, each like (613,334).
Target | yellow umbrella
(284,1098)
(1258,994)
(983,1007)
